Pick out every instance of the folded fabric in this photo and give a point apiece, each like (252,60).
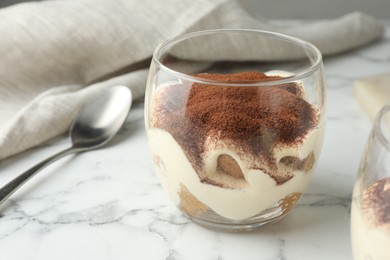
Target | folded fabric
(57,55)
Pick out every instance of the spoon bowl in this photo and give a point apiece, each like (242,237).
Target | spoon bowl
(101,119)
(96,125)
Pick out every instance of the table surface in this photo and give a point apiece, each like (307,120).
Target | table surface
(108,203)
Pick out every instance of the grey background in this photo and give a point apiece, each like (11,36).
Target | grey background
(316,9)
(301,9)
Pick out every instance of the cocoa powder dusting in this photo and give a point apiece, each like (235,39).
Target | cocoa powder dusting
(376,198)
(256,119)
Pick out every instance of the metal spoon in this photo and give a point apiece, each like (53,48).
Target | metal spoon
(96,125)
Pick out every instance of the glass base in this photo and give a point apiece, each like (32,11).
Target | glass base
(211,220)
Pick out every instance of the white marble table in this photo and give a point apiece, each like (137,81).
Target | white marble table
(108,204)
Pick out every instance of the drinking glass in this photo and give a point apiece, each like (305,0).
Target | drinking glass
(370,214)
(235,123)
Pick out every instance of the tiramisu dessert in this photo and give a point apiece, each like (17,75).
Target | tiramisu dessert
(235,151)
(370,221)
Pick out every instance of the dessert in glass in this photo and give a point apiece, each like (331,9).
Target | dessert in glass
(235,124)
(370,214)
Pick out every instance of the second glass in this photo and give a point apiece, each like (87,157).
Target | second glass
(235,122)
(370,215)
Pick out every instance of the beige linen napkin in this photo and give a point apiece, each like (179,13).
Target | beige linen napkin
(57,55)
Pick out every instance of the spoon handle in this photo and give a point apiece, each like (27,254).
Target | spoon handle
(8,189)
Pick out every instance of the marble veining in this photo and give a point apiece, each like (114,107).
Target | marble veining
(108,203)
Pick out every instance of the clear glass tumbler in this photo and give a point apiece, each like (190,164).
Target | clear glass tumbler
(235,122)
(370,214)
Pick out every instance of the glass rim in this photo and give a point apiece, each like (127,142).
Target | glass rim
(298,42)
(378,126)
